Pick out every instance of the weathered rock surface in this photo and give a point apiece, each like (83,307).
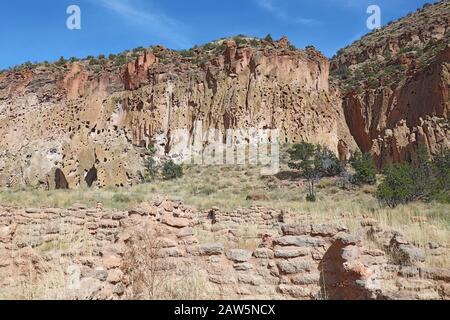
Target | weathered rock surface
(395,86)
(87,124)
(71,125)
(107,261)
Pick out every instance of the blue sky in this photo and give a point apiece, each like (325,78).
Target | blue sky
(33,30)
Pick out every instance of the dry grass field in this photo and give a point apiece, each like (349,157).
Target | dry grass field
(228,188)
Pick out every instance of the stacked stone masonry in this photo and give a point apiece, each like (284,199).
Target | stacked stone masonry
(294,258)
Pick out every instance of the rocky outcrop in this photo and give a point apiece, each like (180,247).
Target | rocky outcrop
(391,123)
(91,116)
(87,123)
(396,89)
(166,250)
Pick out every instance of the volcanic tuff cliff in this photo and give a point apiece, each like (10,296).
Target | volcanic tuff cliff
(395,85)
(88,122)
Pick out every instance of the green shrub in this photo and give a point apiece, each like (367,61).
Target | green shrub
(440,189)
(398,186)
(187,53)
(240,40)
(171,170)
(366,171)
(422,180)
(204,190)
(151,165)
(121,198)
(422,174)
(329,164)
(120,60)
(268,38)
(342,73)
(138,49)
(94,62)
(61,61)
(151,169)
(314,162)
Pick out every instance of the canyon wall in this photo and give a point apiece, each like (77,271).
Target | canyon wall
(396,92)
(88,123)
(72,126)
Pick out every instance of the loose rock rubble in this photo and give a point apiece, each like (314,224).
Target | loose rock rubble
(100,252)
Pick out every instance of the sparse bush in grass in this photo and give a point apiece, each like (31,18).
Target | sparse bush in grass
(151,165)
(345,181)
(422,180)
(314,162)
(203,190)
(171,170)
(152,277)
(422,174)
(398,186)
(329,164)
(366,171)
(151,169)
(440,167)
(121,198)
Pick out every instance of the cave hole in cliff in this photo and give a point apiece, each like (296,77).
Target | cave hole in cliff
(91,177)
(60,180)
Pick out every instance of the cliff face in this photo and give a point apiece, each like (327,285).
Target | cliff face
(274,87)
(395,85)
(88,122)
(78,124)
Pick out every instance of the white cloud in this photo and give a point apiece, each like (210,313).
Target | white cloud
(155,22)
(272,7)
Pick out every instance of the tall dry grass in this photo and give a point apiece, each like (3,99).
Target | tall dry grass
(227,187)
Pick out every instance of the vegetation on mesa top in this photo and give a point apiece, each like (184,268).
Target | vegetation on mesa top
(387,68)
(120,59)
(375,73)
(197,54)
